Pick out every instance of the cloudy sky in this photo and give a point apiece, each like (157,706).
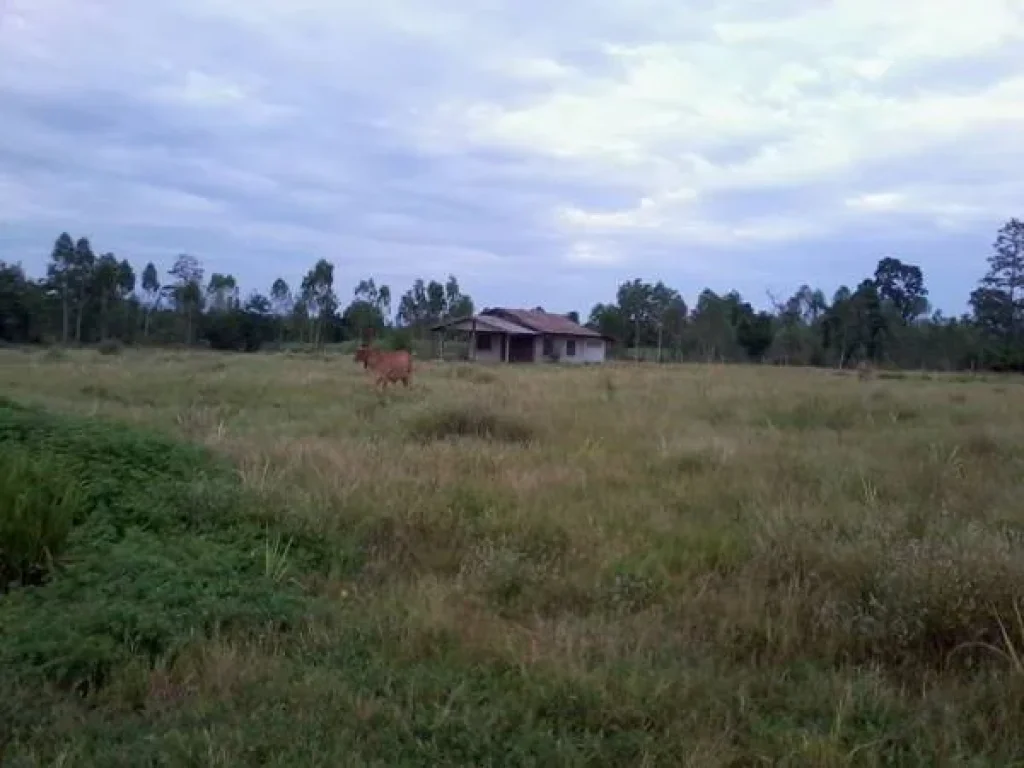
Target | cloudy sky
(542,152)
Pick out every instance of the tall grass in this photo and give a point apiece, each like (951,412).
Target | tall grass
(39,501)
(624,565)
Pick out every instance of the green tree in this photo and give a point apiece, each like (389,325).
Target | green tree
(319,296)
(222,293)
(635,302)
(61,273)
(105,288)
(998,303)
(152,289)
(662,301)
(456,304)
(902,287)
(21,306)
(187,290)
(282,303)
(414,307)
(607,319)
(81,281)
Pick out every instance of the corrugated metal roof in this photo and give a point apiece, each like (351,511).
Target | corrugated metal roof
(489,323)
(543,322)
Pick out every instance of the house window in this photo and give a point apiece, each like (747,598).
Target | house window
(570,348)
(549,347)
(483,342)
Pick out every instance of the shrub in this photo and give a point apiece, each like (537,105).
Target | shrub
(400,339)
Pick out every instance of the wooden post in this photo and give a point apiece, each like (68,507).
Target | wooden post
(504,348)
(472,341)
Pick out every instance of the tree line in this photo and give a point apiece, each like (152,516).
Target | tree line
(87,299)
(886,319)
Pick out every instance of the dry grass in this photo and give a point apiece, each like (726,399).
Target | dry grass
(698,565)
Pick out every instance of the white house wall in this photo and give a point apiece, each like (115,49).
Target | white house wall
(494,354)
(593,350)
(587,350)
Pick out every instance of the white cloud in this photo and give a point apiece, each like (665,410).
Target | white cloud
(592,254)
(807,98)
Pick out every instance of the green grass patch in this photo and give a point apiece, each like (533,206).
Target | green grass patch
(149,543)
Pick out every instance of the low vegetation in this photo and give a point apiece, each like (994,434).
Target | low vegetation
(257,560)
(471,421)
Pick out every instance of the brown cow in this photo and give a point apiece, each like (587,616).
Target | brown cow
(388,367)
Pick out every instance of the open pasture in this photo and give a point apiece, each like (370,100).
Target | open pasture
(270,564)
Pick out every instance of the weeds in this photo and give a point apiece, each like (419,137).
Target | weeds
(471,421)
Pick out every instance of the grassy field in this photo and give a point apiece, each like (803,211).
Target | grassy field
(255,560)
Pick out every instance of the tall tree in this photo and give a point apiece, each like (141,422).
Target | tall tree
(82,273)
(456,303)
(282,303)
(105,289)
(607,319)
(413,307)
(187,290)
(437,301)
(902,287)
(318,294)
(222,293)
(714,326)
(21,306)
(998,303)
(151,288)
(662,300)
(379,298)
(635,303)
(60,272)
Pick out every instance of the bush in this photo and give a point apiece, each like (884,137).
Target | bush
(400,339)
(471,421)
(110,347)
(237,330)
(39,502)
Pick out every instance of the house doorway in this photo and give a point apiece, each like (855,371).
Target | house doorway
(520,349)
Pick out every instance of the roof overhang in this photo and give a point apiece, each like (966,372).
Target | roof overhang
(486,324)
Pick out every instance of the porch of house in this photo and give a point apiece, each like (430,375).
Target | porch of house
(492,340)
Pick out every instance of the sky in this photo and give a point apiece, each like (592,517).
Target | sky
(541,152)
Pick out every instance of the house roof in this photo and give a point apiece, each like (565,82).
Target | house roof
(524,322)
(542,322)
(484,322)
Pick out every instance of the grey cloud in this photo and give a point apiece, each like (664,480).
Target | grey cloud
(321,156)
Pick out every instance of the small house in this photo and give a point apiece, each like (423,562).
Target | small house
(527,336)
